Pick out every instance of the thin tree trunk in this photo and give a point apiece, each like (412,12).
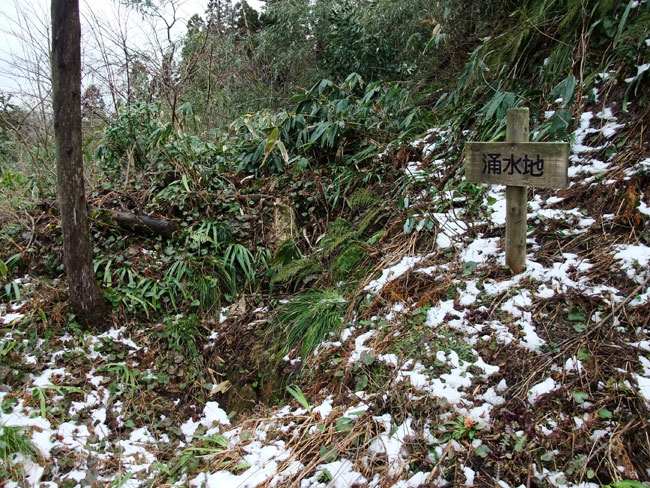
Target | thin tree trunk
(85,296)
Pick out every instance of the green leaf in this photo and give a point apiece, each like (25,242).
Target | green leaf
(603,413)
(297,393)
(275,133)
(578,316)
(621,24)
(482,451)
(107,273)
(583,355)
(366,358)
(185,183)
(361,382)
(627,484)
(520,443)
(325,476)
(283,151)
(3,269)
(344,424)
(579,397)
(41,395)
(565,89)
(560,122)
(469,267)
(547,456)
(186,109)
(579,327)
(328,454)
(217,439)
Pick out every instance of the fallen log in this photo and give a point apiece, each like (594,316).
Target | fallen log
(159,226)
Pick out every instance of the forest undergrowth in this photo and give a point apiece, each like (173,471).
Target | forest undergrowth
(333,309)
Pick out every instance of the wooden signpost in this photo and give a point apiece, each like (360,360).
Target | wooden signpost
(517,164)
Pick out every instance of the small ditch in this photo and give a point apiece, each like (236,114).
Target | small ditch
(243,357)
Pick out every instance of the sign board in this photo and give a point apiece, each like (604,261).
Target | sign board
(540,164)
(517,164)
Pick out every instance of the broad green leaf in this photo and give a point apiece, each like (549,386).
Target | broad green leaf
(328,454)
(482,451)
(366,358)
(580,327)
(576,316)
(579,397)
(583,355)
(469,267)
(344,424)
(603,413)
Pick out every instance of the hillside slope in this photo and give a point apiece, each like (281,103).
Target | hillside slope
(335,310)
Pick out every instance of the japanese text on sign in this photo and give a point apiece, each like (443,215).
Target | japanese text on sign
(538,164)
(494,163)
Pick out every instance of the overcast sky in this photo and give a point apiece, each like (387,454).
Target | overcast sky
(24,27)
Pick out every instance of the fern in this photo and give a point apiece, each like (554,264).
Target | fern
(287,252)
(351,256)
(338,232)
(296,271)
(362,198)
(372,218)
(576,464)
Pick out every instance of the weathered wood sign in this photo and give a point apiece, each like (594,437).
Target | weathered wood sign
(517,164)
(540,164)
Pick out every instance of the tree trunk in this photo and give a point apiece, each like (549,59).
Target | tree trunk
(85,297)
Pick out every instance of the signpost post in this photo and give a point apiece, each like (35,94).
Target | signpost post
(517,164)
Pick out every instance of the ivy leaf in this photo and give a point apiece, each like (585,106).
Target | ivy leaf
(547,456)
(578,316)
(469,267)
(583,355)
(366,358)
(603,413)
(482,451)
(579,397)
(580,327)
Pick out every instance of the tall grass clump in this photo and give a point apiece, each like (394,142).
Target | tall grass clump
(13,440)
(306,319)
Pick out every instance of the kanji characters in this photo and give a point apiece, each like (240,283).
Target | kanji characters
(512,165)
(534,168)
(494,164)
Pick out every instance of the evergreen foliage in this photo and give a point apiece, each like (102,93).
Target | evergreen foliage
(307,319)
